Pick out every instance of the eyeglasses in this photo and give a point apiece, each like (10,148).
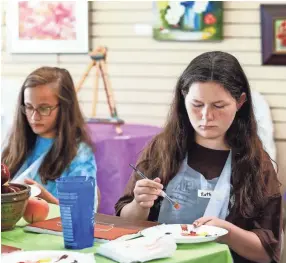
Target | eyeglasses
(42,110)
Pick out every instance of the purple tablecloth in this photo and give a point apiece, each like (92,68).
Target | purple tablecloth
(113,154)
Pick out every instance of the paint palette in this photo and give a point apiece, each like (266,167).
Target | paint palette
(186,233)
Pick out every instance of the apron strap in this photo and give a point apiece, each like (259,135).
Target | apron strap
(28,172)
(218,204)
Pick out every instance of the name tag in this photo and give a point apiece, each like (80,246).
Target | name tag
(205,193)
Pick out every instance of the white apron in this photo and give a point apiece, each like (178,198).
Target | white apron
(28,171)
(192,191)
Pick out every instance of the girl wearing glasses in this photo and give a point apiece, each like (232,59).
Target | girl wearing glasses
(48,139)
(210,159)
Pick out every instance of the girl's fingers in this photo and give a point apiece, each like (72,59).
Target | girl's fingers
(29,181)
(146,198)
(147,190)
(201,221)
(149,183)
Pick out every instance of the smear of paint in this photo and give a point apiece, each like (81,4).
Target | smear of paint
(62,257)
(177,206)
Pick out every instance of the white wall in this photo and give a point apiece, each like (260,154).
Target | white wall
(143,71)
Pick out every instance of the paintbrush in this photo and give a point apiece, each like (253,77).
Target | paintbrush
(175,204)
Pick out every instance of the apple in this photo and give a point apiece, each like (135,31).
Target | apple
(5,174)
(5,189)
(37,210)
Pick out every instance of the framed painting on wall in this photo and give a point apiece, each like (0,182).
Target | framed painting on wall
(273,34)
(47,26)
(188,20)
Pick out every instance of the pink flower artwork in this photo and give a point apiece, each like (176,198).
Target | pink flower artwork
(47,20)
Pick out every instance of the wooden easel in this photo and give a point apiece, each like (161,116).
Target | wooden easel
(98,57)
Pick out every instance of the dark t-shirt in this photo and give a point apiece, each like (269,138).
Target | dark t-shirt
(267,226)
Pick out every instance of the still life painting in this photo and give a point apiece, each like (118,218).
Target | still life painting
(47,26)
(280,35)
(188,20)
(273,34)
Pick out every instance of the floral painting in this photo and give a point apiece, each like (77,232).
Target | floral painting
(188,20)
(280,35)
(273,34)
(47,20)
(47,26)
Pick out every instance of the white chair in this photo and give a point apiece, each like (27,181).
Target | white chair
(264,121)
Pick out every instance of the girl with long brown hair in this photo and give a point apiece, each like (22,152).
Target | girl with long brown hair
(48,139)
(210,159)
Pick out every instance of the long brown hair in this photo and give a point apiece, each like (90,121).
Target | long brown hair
(70,129)
(251,164)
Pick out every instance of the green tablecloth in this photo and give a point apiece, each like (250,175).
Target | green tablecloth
(186,253)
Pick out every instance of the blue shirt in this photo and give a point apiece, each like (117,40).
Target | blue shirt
(82,164)
(42,145)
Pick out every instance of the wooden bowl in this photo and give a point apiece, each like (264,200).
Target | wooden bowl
(13,206)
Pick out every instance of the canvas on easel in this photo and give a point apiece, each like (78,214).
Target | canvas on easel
(98,60)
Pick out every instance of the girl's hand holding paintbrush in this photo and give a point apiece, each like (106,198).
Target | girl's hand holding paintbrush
(155,192)
(146,191)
